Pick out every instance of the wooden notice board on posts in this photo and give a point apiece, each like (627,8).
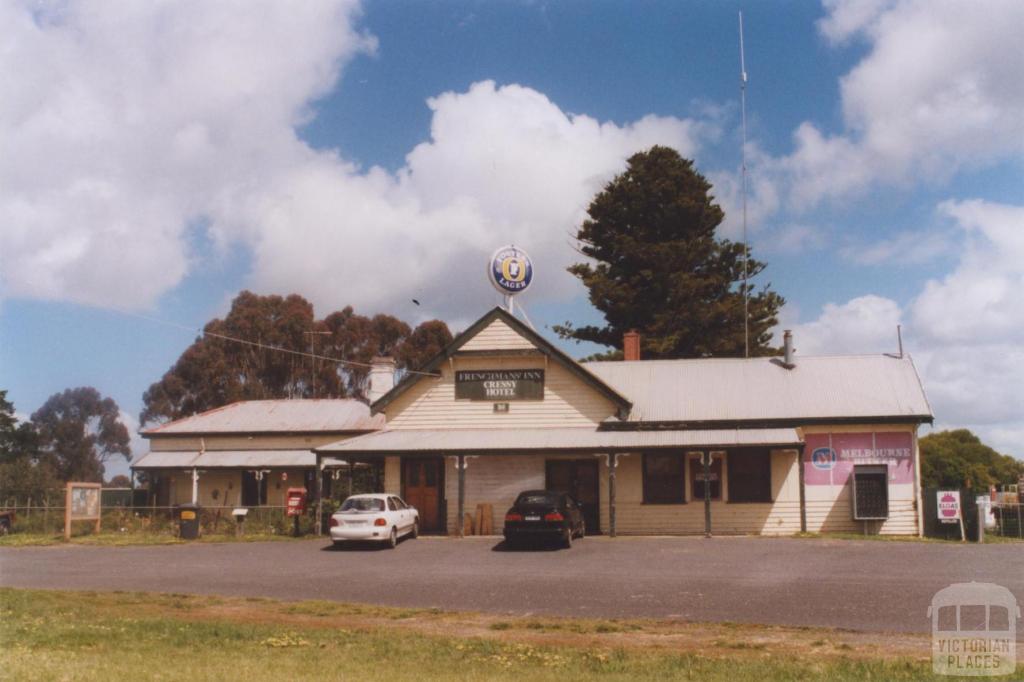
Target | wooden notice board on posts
(81,503)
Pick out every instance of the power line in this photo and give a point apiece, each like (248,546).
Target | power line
(257,344)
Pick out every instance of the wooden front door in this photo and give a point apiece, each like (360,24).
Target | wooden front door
(422,483)
(578,478)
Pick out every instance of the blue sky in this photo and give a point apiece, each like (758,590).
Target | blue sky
(159,160)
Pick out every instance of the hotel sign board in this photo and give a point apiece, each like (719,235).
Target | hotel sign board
(499,384)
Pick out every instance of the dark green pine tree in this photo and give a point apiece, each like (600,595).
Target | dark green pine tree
(660,269)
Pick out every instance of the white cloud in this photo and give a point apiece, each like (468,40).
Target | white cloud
(971,321)
(981,299)
(124,128)
(866,324)
(121,124)
(964,330)
(846,19)
(936,92)
(504,164)
(904,248)
(763,193)
(137,443)
(791,239)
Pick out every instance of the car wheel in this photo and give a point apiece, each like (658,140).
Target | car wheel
(393,538)
(415,530)
(567,538)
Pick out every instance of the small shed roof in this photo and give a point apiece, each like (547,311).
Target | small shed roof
(761,389)
(514,441)
(276,416)
(226,459)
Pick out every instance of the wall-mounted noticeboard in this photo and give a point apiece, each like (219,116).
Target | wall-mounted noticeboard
(82,503)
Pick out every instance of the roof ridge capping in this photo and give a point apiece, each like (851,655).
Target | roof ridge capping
(759,358)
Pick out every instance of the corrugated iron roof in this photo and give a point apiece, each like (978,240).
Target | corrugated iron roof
(165,460)
(276,416)
(717,389)
(214,459)
(510,441)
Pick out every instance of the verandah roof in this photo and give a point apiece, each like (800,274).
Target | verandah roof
(535,441)
(225,459)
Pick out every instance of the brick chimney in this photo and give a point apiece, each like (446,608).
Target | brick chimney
(631,345)
(382,377)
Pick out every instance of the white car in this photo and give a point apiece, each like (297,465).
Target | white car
(376,517)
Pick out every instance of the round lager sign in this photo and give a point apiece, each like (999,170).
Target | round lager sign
(510,270)
(824,459)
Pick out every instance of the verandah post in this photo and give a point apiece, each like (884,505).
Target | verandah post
(613,463)
(461,464)
(706,458)
(319,496)
(803,490)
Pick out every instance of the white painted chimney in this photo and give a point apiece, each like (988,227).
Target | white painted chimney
(382,377)
(787,348)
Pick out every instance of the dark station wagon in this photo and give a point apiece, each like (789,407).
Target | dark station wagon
(544,514)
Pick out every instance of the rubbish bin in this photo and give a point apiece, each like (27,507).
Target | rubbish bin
(188,521)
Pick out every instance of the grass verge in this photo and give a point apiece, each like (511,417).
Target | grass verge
(989,538)
(50,635)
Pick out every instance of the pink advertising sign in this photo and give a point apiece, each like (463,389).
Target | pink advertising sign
(948,508)
(829,457)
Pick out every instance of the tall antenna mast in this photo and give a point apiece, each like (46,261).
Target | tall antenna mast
(743,170)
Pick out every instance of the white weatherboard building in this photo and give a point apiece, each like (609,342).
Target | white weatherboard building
(246,454)
(818,443)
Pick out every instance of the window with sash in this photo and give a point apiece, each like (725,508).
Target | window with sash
(750,475)
(664,478)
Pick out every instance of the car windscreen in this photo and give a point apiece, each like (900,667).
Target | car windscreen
(539,498)
(363,504)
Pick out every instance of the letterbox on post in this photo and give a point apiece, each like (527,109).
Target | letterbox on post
(296,505)
(296,501)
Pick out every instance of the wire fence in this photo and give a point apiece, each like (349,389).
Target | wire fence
(125,511)
(128,510)
(1002,516)
(48,519)
(1009,521)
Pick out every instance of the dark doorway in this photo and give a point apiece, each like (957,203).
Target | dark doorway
(254,492)
(162,488)
(578,478)
(422,485)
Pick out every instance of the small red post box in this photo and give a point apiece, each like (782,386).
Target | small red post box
(296,501)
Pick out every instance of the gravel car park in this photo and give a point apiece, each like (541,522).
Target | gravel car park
(863,585)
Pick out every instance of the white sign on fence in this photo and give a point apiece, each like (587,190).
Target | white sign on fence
(949,506)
